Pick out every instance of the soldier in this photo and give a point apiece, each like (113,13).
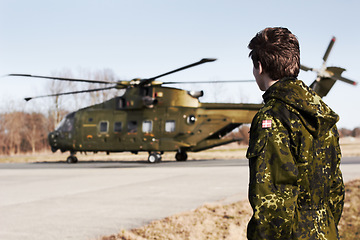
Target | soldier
(296,188)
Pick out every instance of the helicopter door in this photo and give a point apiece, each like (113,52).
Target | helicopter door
(119,130)
(169,128)
(132,132)
(149,133)
(89,132)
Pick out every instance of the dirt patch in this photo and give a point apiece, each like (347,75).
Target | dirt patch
(216,221)
(211,221)
(349,226)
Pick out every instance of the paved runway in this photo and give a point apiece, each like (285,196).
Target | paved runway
(91,199)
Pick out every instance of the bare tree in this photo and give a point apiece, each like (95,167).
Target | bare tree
(35,131)
(56,87)
(101,96)
(13,125)
(3,135)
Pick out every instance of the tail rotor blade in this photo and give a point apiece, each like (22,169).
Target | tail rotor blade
(331,44)
(345,80)
(305,68)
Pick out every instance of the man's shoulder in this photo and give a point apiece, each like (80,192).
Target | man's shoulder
(274,110)
(265,126)
(263,119)
(274,118)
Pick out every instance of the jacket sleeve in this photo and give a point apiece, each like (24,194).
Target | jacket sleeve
(273,181)
(337,188)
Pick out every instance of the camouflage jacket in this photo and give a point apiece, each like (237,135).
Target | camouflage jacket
(296,188)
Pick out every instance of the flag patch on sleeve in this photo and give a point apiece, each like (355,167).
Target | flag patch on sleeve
(266,123)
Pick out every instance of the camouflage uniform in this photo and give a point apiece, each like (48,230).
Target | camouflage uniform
(296,188)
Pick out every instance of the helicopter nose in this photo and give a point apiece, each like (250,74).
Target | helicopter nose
(53,140)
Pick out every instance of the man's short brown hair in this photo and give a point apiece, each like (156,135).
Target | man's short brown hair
(278,51)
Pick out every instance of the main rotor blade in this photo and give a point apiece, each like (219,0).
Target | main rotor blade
(224,81)
(204,60)
(61,78)
(331,44)
(68,93)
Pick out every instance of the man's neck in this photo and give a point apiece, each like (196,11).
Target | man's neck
(268,82)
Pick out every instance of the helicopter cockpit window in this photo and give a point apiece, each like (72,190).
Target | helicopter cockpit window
(121,103)
(146,91)
(132,126)
(147,126)
(170,126)
(67,124)
(117,126)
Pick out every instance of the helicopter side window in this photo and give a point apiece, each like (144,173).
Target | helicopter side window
(147,126)
(117,126)
(104,126)
(170,126)
(132,126)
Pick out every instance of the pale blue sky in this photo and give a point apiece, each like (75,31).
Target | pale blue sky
(143,38)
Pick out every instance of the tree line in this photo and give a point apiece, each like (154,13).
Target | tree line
(345,132)
(22,132)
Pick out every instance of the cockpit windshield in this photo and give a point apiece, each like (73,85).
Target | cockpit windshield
(67,124)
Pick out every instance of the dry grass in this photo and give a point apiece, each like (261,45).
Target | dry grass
(350,147)
(230,221)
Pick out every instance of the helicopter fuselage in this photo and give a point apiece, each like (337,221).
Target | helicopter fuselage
(153,119)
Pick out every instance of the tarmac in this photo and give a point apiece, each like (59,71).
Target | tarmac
(90,200)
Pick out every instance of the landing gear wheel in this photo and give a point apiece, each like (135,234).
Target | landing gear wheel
(154,157)
(181,156)
(72,159)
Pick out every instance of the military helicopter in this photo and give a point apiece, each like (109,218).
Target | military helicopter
(148,117)
(156,119)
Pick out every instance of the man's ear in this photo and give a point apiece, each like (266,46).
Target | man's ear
(260,68)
